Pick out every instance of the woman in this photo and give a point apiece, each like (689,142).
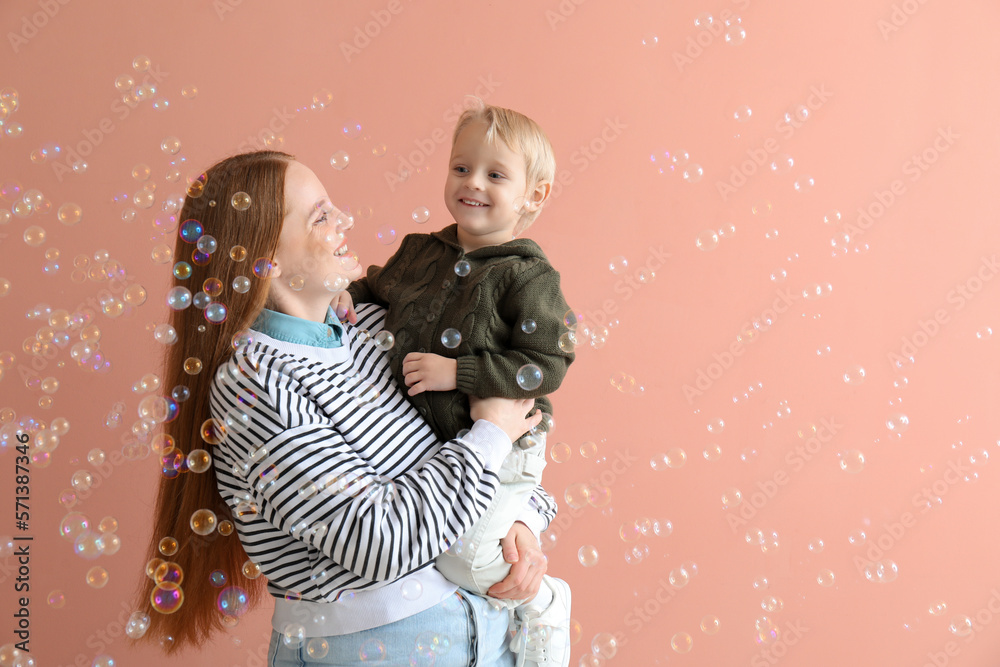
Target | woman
(339,492)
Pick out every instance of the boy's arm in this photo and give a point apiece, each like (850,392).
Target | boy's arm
(374,286)
(534,298)
(361,290)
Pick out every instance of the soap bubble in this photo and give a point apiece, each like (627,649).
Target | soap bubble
(735,35)
(170,145)
(560,452)
(216,313)
(232,601)
(411,589)
(825,578)
(251,570)
(168,571)
(693,173)
(97,577)
(34,236)
(138,624)
(675,458)
(852,461)
(897,423)
(588,555)
(604,645)
(743,114)
(451,338)
(710,624)
(707,240)
(961,626)
(462,268)
(241,201)
(529,326)
(681,642)
(203,522)
(293,635)
(384,340)
(168,546)
(529,377)
(731,497)
(70,214)
(167,597)
(89,545)
(421,214)
(318,648)
(340,160)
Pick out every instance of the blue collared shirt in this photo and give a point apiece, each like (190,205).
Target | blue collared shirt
(291,329)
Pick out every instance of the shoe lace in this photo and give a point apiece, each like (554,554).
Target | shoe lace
(519,644)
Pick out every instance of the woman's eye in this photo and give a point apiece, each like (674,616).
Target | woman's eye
(321,219)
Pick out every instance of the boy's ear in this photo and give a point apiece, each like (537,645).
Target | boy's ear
(538,196)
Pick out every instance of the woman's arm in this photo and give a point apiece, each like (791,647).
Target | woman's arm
(307,480)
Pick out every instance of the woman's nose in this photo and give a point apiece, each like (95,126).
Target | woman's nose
(345,222)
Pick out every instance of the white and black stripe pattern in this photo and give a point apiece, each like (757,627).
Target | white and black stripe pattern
(335,480)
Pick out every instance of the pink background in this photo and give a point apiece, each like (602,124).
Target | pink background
(621,88)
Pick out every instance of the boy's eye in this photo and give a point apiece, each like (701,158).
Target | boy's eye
(496,174)
(461,170)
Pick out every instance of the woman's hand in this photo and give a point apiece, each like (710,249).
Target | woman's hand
(343,306)
(507,413)
(528,564)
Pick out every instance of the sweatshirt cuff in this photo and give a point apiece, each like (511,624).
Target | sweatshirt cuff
(465,375)
(490,441)
(530,517)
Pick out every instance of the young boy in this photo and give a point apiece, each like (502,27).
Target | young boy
(477,311)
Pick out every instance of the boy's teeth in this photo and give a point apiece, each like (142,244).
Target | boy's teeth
(473,203)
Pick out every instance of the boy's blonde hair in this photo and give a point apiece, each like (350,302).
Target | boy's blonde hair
(521,134)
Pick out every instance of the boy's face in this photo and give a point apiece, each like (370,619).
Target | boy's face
(486,190)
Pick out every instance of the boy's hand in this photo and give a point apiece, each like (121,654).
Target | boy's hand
(429,372)
(343,306)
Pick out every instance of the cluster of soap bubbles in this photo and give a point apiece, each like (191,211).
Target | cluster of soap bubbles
(679,162)
(11,656)
(673,458)
(9,103)
(627,384)
(768,541)
(88,543)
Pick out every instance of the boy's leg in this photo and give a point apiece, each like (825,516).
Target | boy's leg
(475,561)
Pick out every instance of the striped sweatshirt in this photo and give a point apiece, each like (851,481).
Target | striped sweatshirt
(336,482)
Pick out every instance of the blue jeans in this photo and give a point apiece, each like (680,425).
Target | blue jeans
(464,630)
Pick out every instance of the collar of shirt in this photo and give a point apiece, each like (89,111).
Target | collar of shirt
(291,329)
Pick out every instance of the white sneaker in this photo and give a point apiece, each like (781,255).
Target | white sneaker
(541,637)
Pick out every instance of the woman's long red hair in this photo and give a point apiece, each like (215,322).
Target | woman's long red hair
(260,175)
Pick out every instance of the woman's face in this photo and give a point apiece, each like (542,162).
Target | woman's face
(312,254)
